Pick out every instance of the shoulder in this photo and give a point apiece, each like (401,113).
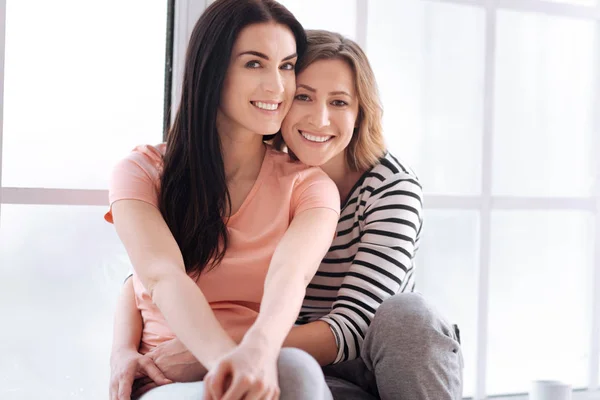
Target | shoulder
(388,171)
(285,167)
(389,168)
(146,156)
(309,187)
(143,162)
(389,181)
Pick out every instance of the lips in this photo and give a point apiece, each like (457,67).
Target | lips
(267,106)
(311,137)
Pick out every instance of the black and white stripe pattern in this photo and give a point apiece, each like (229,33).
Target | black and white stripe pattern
(371,257)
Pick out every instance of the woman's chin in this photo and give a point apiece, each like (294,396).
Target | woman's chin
(312,161)
(269,129)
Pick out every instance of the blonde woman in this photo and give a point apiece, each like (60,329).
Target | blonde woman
(359,317)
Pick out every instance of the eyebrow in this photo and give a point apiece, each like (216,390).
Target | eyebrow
(264,56)
(313,90)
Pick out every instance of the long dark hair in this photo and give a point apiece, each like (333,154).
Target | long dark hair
(194,197)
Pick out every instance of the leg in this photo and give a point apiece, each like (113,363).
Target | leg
(178,391)
(351,380)
(301,377)
(413,353)
(344,390)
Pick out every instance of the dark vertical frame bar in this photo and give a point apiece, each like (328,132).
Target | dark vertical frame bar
(168,68)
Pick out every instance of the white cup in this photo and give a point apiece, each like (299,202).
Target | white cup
(550,390)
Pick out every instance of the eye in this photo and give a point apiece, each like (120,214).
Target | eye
(252,64)
(302,97)
(287,66)
(339,103)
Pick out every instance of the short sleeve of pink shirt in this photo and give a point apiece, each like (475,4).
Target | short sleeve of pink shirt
(314,189)
(137,177)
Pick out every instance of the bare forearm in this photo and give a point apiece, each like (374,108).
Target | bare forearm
(279,309)
(316,338)
(127,329)
(292,267)
(196,327)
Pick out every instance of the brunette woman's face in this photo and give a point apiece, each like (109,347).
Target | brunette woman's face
(321,121)
(260,81)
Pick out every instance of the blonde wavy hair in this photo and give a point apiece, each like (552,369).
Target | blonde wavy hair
(367,145)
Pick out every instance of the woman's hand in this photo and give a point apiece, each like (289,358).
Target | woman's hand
(176,362)
(248,372)
(128,365)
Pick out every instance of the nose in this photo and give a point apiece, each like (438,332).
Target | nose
(319,116)
(273,82)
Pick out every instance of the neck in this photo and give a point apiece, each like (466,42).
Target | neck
(243,153)
(343,177)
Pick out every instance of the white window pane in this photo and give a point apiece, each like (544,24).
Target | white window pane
(446,274)
(544,106)
(333,15)
(61,269)
(576,2)
(540,295)
(429,61)
(84,84)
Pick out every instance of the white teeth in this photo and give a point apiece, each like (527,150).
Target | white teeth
(312,138)
(266,106)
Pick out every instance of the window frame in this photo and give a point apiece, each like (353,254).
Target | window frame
(182,17)
(486,202)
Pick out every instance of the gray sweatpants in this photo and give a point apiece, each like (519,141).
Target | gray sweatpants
(300,378)
(409,353)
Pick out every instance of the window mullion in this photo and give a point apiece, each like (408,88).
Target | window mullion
(2,47)
(486,203)
(594,362)
(187,13)
(362,20)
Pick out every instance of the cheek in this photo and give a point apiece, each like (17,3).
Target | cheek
(290,88)
(241,84)
(234,87)
(225,101)
(288,124)
(348,127)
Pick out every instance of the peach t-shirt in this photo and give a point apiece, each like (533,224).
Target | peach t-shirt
(234,288)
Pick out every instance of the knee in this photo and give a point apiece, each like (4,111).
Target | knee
(410,315)
(407,329)
(292,360)
(300,375)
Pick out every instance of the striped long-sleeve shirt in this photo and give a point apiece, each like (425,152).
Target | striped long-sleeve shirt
(371,257)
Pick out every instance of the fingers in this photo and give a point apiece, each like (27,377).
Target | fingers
(258,391)
(121,380)
(276,393)
(120,385)
(208,392)
(143,389)
(153,372)
(240,386)
(113,389)
(211,390)
(138,383)
(217,381)
(124,392)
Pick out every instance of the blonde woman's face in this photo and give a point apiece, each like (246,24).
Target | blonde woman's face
(321,121)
